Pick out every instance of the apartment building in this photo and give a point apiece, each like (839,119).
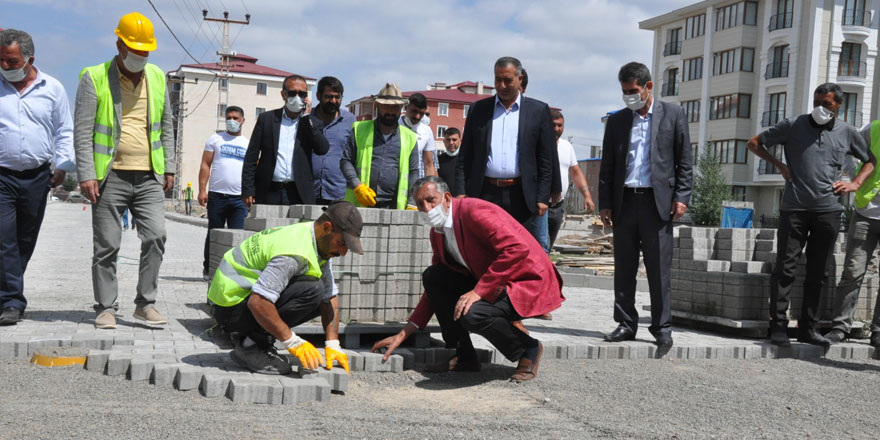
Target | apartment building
(739,67)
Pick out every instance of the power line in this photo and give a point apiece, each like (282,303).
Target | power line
(203,96)
(172,32)
(245,7)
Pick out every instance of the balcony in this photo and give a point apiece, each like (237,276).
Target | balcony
(777,69)
(672,48)
(772,117)
(853,117)
(852,69)
(669,89)
(780,21)
(856,17)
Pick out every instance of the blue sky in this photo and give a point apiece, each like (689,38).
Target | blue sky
(572,49)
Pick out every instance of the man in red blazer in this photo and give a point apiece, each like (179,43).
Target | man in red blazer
(487,271)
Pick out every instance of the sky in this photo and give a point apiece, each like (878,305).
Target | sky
(572,49)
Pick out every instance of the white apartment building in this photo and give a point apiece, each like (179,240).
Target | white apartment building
(738,67)
(203,94)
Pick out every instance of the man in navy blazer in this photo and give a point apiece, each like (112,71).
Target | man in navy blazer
(644,184)
(277,167)
(508,148)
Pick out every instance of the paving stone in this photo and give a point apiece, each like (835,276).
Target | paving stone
(215,384)
(164,374)
(96,360)
(141,368)
(188,377)
(255,390)
(373,363)
(118,363)
(306,389)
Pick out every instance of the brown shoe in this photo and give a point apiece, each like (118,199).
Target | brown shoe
(455,366)
(526,369)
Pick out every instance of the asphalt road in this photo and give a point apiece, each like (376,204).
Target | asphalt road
(570,399)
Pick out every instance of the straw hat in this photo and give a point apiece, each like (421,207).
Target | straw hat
(390,94)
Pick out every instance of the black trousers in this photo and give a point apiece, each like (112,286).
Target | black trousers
(555,217)
(283,194)
(299,302)
(22,205)
(509,198)
(639,228)
(444,287)
(818,232)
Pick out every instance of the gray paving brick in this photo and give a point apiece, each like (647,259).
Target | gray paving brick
(118,363)
(215,384)
(373,363)
(96,360)
(306,389)
(188,377)
(141,368)
(255,390)
(164,374)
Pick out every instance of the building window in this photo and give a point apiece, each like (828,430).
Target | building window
(692,110)
(730,151)
(693,69)
(259,111)
(670,83)
(223,84)
(441,131)
(851,61)
(783,17)
(738,193)
(736,14)
(465,110)
(849,109)
(443,109)
(175,86)
(733,60)
(778,65)
(357,109)
(673,42)
(262,88)
(776,110)
(695,26)
(736,105)
(854,13)
(764,167)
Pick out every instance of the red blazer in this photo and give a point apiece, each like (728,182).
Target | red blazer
(499,253)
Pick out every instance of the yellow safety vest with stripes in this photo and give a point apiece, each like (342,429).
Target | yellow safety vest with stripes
(871,186)
(106,131)
(363,135)
(242,265)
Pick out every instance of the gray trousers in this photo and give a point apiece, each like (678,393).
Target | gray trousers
(142,194)
(861,240)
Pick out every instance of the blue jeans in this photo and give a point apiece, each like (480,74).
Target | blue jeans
(537,226)
(224,211)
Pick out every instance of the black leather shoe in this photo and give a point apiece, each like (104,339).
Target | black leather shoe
(779,336)
(11,316)
(835,336)
(620,334)
(812,336)
(875,340)
(664,340)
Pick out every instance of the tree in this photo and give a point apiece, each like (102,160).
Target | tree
(710,189)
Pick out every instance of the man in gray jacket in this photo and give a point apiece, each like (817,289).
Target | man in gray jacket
(125,159)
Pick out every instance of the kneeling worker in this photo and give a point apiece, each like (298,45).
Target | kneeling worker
(289,271)
(487,272)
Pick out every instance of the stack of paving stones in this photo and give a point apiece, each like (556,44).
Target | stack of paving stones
(383,285)
(725,273)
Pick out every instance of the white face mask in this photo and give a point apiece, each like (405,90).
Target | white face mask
(822,115)
(134,63)
(437,216)
(426,120)
(14,75)
(295,104)
(634,102)
(233,126)
(452,153)
(409,122)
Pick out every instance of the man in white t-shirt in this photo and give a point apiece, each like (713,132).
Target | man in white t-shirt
(222,162)
(412,119)
(568,167)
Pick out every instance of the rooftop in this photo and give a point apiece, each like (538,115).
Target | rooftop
(241,63)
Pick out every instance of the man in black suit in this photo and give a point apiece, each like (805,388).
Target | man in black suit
(644,184)
(277,167)
(508,149)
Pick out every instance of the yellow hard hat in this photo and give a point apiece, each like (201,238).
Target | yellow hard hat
(136,31)
(189,184)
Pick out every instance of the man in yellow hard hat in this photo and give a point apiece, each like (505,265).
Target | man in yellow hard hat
(188,198)
(125,159)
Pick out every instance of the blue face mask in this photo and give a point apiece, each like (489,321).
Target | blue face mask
(233,126)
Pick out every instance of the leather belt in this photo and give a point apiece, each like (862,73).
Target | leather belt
(640,190)
(24,174)
(503,183)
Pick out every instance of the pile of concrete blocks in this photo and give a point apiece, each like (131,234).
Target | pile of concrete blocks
(724,273)
(383,285)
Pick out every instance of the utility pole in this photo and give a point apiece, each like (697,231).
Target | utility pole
(179,116)
(225,53)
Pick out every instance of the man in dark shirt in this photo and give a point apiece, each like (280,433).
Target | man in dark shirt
(815,147)
(449,159)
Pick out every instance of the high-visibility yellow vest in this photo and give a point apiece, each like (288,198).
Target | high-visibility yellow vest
(243,264)
(105,131)
(363,135)
(871,186)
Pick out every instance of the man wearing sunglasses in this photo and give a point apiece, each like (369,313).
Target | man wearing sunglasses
(277,167)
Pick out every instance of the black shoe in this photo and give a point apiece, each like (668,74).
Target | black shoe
(779,336)
(812,336)
(664,340)
(619,334)
(11,316)
(835,336)
(875,340)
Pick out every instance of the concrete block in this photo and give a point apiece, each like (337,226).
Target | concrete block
(117,364)
(96,360)
(711,265)
(141,368)
(269,211)
(337,378)
(255,390)
(165,373)
(38,343)
(215,384)
(259,224)
(188,377)
(123,340)
(306,389)
(373,363)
